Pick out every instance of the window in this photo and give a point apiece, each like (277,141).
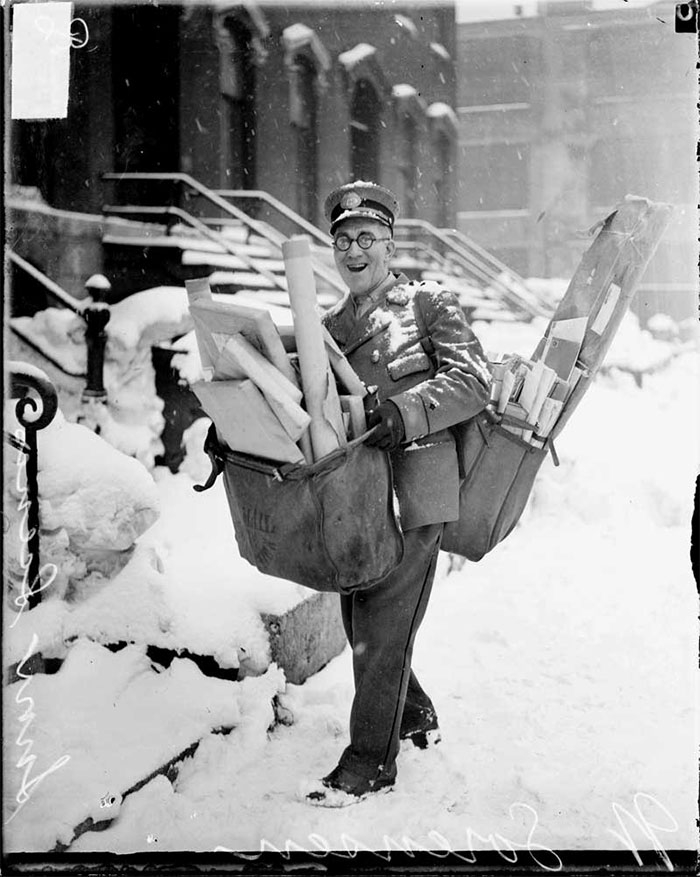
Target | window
(364,132)
(304,119)
(237,86)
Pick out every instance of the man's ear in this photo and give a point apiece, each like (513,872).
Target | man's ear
(390,248)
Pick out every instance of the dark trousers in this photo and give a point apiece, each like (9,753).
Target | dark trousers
(381,624)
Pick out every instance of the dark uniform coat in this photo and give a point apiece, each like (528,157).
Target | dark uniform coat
(387,341)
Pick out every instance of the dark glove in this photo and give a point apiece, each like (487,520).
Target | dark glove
(390,430)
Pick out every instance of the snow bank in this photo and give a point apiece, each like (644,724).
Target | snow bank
(102,724)
(61,333)
(572,643)
(633,348)
(181,586)
(95,503)
(562,666)
(133,420)
(148,317)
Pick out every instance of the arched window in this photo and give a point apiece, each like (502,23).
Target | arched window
(237,86)
(410,109)
(304,118)
(444,128)
(364,132)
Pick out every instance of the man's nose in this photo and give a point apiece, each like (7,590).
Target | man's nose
(354,243)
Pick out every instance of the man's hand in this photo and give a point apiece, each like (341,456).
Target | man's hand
(389,431)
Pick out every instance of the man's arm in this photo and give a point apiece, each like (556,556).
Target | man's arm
(460,387)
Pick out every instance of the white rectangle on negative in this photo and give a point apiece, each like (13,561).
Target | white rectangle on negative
(606,309)
(41,42)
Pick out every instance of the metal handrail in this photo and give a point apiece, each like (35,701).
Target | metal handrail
(36,407)
(433,255)
(280,207)
(210,195)
(95,315)
(74,304)
(70,302)
(489,257)
(468,262)
(475,265)
(188,219)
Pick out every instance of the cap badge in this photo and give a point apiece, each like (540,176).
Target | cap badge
(350,201)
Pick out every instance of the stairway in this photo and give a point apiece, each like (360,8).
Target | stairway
(240,253)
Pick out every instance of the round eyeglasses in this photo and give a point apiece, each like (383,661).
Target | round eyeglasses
(364,241)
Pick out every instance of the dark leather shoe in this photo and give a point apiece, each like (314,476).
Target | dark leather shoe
(424,735)
(342,787)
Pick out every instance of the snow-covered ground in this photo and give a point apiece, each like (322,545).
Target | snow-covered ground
(562,666)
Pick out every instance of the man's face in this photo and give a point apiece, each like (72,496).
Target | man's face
(362,270)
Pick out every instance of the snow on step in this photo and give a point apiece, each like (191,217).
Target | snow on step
(99,727)
(241,278)
(218,260)
(182,242)
(227,260)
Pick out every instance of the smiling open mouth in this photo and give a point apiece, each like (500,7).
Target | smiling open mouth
(356,268)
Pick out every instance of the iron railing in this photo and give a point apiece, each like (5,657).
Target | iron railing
(203,228)
(221,203)
(95,314)
(280,208)
(35,409)
(478,264)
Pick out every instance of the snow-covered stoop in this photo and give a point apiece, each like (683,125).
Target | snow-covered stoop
(144,603)
(80,741)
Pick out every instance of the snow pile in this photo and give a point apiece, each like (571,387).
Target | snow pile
(181,586)
(103,724)
(633,348)
(187,361)
(95,503)
(562,666)
(132,421)
(146,318)
(636,349)
(549,289)
(572,644)
(61,333)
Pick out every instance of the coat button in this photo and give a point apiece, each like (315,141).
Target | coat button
(375,356)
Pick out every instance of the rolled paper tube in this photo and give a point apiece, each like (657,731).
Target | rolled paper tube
(343,370)
(321,397)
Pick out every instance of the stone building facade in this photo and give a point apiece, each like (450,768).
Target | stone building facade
(564,111)
(289,98)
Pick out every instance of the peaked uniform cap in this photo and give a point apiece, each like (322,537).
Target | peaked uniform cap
(361,200)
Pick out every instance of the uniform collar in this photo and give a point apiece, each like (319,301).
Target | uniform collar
(364,303)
